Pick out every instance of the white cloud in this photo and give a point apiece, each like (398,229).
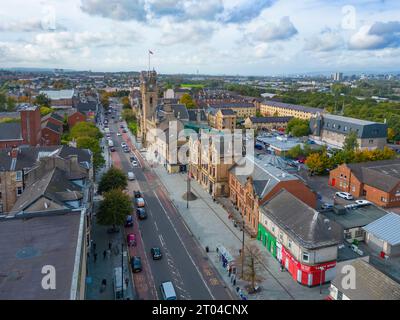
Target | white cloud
(327,40)
(269,32)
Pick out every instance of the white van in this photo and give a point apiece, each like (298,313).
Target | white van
(168,291)
(110,143)
(131,176)
(118,283)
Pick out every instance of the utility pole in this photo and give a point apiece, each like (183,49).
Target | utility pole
(188,190)
(243,246)
(122,271)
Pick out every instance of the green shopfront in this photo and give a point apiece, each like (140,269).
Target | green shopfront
(267,239)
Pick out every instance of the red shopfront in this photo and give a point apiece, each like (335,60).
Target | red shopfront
(308,275)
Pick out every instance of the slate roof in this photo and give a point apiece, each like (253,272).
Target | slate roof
(265,177)
(291,106)
(193,115)
(180,111)
(232,105)
(28,156)
(371,284)
(52,185)
(52,127)
(227,112)
(10,131)
(270,119)
(302,223)
(86,106)
(386,228)
(383,175)
(53,115)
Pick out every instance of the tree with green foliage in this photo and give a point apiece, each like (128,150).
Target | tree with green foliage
(114,178)
(7,103)
(318,163)
(94,146)
(85,129)
(43,100)
(45,110)
(298,127)
(187,100)
(295,152)
(351,142)
(114,208)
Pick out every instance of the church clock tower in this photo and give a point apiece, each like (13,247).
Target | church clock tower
(149,90)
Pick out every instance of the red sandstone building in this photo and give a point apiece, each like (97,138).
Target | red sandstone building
(378,181)
(250,190)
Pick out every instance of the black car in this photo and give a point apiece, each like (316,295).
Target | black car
(141,213)
(136,264)
(127,150)
(124,130)
(132,158)
(156,253)
(112,149)
(137,194)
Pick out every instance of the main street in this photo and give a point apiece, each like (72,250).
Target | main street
(184,262)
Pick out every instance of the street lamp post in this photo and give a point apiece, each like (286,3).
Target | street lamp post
(122,271)
(242,245)
(188,190)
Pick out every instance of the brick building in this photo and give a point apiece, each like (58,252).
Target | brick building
(267,123)
(378,181)
(270,108)
(248,191)
(222,119)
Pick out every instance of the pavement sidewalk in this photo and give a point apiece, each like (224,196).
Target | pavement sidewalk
(209,223)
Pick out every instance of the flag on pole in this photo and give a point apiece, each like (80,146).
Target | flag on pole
(151,52)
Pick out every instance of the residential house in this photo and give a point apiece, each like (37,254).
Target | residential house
(267,123)
(303,241)
(222,119)
(270,108)
(241,109)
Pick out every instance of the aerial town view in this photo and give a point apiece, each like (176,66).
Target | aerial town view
(229,151)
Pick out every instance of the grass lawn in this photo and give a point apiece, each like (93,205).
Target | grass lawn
(188,85)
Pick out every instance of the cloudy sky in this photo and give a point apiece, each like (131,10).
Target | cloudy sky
(249,37)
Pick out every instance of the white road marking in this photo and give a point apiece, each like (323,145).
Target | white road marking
(161,240)
(180,239)
(155,224)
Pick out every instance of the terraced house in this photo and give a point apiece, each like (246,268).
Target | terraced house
(300,238)
(270,108)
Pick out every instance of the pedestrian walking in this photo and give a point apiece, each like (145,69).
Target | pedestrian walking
(94,246)
(95,257)
(126,282)
(110,245)
(104,254)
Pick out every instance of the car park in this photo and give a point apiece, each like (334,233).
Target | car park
(136,264)
(141,213)
(156,253)
(344,195)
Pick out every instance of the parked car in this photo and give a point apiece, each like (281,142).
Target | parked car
(137,194)
(123,145)
(131,176)
(326,206)
(363,202)
(141,213)
(136,264)
(112,149)
(344,195)
(124,131)
(134,163)
(119,134)
(126,150)
(129,221)
(140,202)
(156,253)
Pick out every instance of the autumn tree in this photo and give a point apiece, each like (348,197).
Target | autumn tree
(187,100)
(250,265)
(318,163)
